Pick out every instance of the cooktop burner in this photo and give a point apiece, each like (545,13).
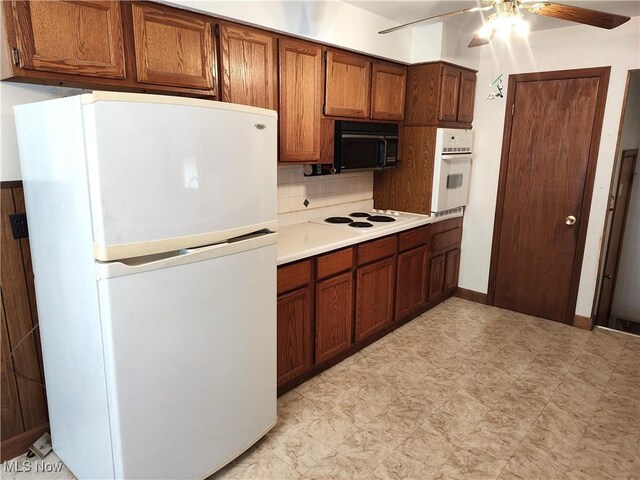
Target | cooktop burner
(380,218)
(338,220)
(363,222)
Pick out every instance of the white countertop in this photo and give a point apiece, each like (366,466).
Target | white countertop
(302,240)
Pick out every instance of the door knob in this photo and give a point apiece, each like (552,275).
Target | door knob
(570,220)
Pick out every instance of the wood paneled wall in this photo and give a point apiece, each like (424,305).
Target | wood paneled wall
(24,410)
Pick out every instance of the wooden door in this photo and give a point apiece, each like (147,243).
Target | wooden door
(300,100)
(449,93)
(173,47)
(618,221)
(295,334)
(374,297)
(467,96)
(436,277)
(546,178)
(348,85)
(388,87)
(412,281)
(81,38)
(249,66)
(334,316)
(451,267)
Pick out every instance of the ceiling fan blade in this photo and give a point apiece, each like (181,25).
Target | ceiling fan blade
(477,40)
(580,15)
(444,15)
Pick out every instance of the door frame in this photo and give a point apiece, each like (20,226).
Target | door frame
(610,248)
(603,74)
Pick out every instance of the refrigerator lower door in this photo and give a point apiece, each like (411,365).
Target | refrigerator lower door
(190,353)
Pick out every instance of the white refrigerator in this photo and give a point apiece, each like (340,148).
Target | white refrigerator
(152,225)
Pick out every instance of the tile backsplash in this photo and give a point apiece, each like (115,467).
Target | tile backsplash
(320,191)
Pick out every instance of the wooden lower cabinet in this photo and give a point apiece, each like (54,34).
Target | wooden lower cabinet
(451,269)
(374,297)
(412,281)
(334,316)
(436,277)
(295,334)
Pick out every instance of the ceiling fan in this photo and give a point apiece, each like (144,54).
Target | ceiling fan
(508,17)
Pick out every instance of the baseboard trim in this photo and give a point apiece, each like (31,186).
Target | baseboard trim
(470,295)
(586,323)
(16,446)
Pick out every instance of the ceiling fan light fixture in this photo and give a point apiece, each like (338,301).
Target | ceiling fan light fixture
(503,25)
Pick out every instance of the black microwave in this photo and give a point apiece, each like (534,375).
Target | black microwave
(365,146)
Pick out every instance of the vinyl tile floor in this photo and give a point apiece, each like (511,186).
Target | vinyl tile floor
(464,391)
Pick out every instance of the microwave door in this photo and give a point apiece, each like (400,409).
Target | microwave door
(453,188)
(361,152)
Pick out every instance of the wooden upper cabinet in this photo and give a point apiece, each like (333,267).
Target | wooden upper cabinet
(81,38)
(449,94)
(467,96)
(387,91)
(440,95)
(301,90)
(173,47)
(348,85)
(249,66)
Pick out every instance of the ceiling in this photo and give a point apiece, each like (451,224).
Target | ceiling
(403,11)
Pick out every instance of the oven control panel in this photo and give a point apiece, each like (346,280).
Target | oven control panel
(455,140)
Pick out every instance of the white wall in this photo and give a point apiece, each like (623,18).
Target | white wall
(626,299)
(558,49)
(328,21)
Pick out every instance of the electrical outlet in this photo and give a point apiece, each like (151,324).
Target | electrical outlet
(19,226)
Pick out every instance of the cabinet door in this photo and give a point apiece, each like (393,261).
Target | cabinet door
(334,316)
(412,281)
(173,47)
(374,297)
(436,277)
(451,268)
(300,101)
(347,89)
(82,38)
(449,93)
(295,334)
(249,66)
(387,91)
(467,96)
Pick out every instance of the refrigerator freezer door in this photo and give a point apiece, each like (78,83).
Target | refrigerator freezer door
(191,363)
(165,176)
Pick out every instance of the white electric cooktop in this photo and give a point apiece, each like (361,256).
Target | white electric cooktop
(364,221)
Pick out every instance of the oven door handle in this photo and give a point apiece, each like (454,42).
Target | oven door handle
(464,156)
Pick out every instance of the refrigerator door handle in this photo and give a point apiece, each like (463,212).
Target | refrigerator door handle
(185,256)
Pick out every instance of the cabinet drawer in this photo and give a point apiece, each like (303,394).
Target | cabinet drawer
(385,247)
(333,263)
(414,238)
(294,276)
(446,240)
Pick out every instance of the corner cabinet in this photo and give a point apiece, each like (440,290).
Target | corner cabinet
(80,38)
(249,60)
(173,47)
(440,94)
(301,87)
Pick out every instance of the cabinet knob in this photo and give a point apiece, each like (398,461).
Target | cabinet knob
(570,220)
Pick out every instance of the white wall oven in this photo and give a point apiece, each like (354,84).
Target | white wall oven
(452,169)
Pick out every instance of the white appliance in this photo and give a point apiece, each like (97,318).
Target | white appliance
(363,222)
(151,223)
(452,169)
